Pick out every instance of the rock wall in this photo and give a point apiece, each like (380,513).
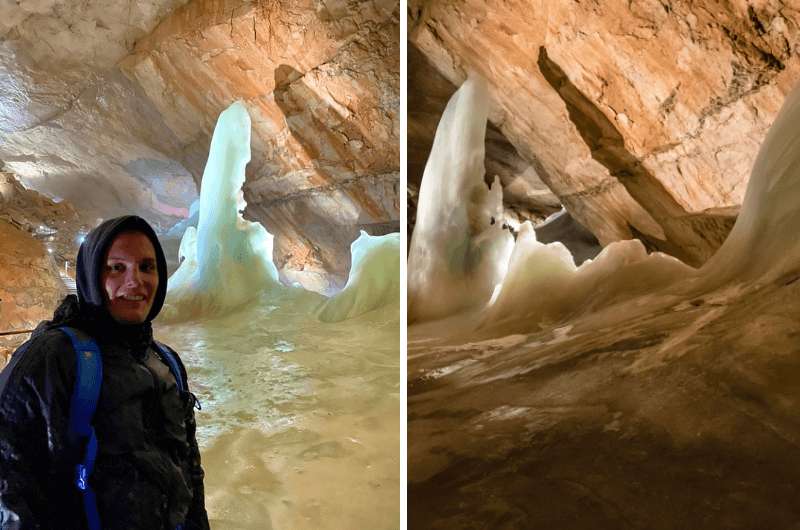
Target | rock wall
(75,128)
(30,289)
(643,117)
(38,245)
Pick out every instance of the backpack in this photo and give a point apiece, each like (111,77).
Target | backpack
(88,379)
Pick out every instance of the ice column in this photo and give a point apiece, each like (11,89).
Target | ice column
(227,261)
(459,250)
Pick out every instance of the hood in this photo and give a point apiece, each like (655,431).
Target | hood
(91,261)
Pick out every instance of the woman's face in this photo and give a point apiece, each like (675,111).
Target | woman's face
(130,277)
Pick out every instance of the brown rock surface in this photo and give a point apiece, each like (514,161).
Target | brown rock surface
(38,246)
(322,88)
(30,288)
(644,117)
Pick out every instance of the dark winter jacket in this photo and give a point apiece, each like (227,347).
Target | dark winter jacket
(147,474)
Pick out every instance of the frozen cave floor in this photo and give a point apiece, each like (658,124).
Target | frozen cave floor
(685,417)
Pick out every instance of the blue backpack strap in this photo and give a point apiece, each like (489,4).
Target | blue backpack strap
(175,366)
(88,379)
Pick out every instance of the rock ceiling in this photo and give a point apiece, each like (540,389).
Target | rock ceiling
(111,107)
(643,117)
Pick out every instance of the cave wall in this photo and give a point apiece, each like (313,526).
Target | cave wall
(643,118)
(71,124)
(38,247)
(31,288)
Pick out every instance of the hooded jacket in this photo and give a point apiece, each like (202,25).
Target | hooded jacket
(147,474)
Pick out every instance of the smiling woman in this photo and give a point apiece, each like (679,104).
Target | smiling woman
(130,277)
(93,391)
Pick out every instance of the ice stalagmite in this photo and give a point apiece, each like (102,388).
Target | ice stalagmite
(462,260)
(227,261)
(374,279)
(459,249)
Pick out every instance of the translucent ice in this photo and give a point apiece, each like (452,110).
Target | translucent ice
(764,240)
(544,285)
(227,260)
(459,251)
(461,259)
(374,279)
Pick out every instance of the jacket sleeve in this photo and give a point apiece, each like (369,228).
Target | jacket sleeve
(196,519)
(34,404)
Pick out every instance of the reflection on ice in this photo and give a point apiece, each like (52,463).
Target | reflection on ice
(295,412)
(283,346)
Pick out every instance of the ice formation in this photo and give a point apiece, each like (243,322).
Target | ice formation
(462,260)
(459,250)
(764,240)
(180,227)
(373,282)
(227,260)
(456,255)
(544,285)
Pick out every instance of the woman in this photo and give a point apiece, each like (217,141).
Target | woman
(147,472)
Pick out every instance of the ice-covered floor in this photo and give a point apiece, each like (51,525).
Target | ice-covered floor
(300,420)
(681,417)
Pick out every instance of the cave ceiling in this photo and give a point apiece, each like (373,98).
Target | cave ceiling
(111,106)
(643,118)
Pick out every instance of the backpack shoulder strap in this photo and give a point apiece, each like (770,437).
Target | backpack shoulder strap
(174,363)
(88,379)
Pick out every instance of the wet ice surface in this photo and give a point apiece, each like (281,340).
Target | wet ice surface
(650,416)
(300,420)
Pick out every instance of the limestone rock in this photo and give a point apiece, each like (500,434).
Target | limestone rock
(322,88)
(30,288)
